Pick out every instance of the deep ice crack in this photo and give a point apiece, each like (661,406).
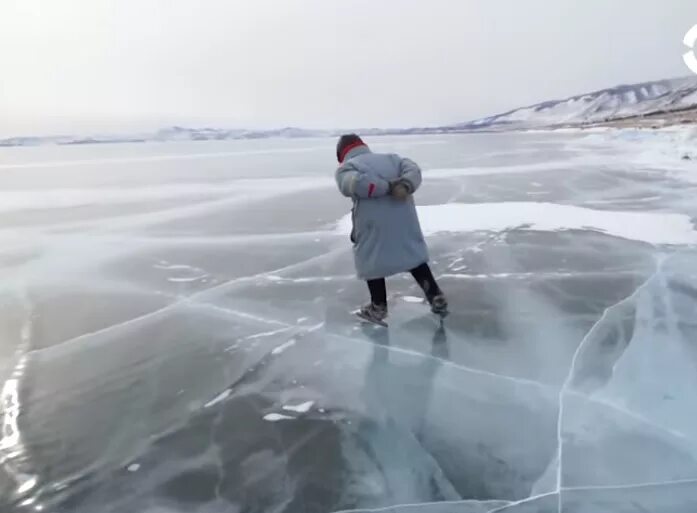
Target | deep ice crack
(570,375)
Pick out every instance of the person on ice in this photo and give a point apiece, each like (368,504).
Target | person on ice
(386,233)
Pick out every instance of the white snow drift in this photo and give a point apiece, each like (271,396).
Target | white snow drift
(651,227)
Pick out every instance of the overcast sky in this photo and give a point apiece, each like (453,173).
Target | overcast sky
(76,66)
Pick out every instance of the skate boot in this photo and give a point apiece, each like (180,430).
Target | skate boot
(439,305)
(373,313)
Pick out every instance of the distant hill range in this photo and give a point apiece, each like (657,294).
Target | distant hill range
(657,101)
(651,104)
(174,133)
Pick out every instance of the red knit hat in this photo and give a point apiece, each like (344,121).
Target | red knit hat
(346,143)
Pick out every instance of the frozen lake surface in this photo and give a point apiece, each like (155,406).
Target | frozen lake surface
(176,332)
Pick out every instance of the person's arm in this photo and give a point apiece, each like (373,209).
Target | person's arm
(359,185)
(410,174)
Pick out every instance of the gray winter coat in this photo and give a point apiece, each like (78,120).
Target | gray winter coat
(386,232)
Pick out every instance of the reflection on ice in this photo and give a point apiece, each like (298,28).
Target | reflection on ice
(13,453)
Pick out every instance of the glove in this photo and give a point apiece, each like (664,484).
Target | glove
(400,189)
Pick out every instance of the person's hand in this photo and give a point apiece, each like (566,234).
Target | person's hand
(399,190)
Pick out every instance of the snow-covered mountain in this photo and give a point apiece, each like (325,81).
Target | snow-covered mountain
(615,103)
(175,133)
(207,134)
(659,102)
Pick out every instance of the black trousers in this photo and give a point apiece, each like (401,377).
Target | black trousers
(422,275)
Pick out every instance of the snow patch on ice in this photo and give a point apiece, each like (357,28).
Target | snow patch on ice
(275,417)
(218,399)
(185,279)
(650,227)
(412,299)
(283,347)
(135,467)
(300,408)
(173,267)
(266,334)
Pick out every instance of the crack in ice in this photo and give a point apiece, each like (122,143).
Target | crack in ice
(450,363)
(524,501)
(533,275)
(510,504)
(632,486)
(189,300)
(419,505)
(241,314)
(570,375)
(629,413)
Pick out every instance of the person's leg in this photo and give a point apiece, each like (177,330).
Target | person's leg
(424,277)
(378,291)
(376,310)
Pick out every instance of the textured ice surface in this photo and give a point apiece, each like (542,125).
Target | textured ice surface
(177,336)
